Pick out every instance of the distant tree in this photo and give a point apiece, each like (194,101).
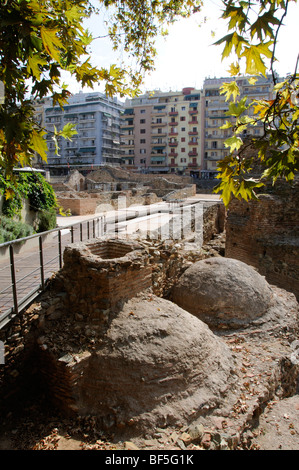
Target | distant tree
(253,31)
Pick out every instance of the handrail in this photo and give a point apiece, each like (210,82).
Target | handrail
(18,290)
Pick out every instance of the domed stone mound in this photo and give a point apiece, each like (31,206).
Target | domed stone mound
(223,292)
(157,365)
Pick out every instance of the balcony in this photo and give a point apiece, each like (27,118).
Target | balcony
(158,156)
(158,134)
(158,144)
(173,124)
(173,144)
(128,157)
(173,113)
(127,126)
(158,113)
(192,142)
(193,111)
(125,145)
(192,165)
(193,154)
(173,155)
(193,122)
(193,133)
(158,124)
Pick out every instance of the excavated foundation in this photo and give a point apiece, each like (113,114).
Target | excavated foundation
(137,361)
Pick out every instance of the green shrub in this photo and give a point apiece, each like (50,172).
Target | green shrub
(31,186)
(12,230)
(46,220)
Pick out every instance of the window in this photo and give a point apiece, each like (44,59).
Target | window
(183,139)
(183,129)
(183,149)
(183,160)
(183,108)
(214,144)
(142,131)
(142,121)
(182,118)
(142,111)
(143,151)
(142,141)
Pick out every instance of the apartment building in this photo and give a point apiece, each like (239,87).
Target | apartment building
(214,109)
(160,132)
(97,120)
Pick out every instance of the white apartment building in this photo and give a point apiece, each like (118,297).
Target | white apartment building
(214,109)
(97,142)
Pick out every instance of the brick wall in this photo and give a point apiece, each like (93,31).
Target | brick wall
(78,206)
(99,276)
(265,234)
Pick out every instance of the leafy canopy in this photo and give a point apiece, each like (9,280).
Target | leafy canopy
(254,28)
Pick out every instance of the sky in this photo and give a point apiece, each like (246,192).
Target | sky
(187,55)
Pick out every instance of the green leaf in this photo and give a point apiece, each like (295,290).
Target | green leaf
(231,41)
(236,109)
(234,69)
(227,125)
(252,80)
(237,17)
(51,42)
(69,131)
(35,63)
(254,62)
(234,143)
(39,144)
(262,28)
(230,89)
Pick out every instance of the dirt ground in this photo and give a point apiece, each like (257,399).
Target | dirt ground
(39,426)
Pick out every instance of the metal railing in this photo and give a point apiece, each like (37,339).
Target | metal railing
(28,263)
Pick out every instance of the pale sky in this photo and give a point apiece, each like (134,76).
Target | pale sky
(187,55)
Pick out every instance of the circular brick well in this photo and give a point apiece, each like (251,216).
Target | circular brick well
(99,276)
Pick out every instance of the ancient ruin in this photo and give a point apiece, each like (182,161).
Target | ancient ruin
(106,189)
(264,234)
(165,343)
(227,293)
